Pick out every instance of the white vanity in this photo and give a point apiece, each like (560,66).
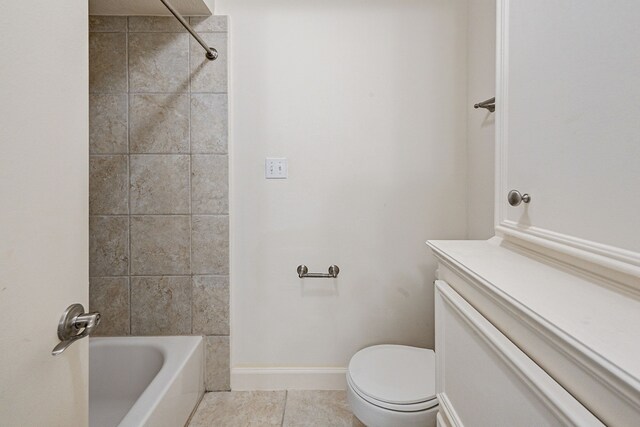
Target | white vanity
(540,326)
(520,341)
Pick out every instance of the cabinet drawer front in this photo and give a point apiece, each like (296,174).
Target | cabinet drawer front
(483,379)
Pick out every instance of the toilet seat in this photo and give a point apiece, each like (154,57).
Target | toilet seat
(394,377)
(411,407)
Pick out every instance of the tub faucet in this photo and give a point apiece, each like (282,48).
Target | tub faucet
(74,325)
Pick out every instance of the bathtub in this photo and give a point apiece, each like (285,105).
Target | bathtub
(144,381)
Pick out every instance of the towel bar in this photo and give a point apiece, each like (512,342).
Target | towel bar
(303,272)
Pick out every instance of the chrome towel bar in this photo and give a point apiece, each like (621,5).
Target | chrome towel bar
(303,272)
(489,104)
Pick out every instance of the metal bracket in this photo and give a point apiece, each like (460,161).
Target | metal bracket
(211,54)
(489,104)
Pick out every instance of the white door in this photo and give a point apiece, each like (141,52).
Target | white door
(43,209)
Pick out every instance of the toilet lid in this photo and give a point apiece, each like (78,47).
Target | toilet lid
(395,374)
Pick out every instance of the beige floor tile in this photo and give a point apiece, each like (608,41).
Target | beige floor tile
(240,409)
(318,408)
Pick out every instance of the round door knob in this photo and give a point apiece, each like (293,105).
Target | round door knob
(515,198)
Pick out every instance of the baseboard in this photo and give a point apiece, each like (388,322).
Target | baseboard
(447,416)
(288,379)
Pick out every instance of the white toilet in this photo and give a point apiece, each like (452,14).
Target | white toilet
(393,386)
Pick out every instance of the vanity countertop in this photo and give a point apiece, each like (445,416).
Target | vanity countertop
(589,317)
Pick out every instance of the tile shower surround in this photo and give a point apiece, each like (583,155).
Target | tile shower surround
(158,199)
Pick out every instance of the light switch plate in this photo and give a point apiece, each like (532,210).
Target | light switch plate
(275,168)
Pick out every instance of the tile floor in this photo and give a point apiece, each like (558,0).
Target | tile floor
(274,408)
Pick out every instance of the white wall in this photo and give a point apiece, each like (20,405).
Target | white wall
(481,83)
(367,100)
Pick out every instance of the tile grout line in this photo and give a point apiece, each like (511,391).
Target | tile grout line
(157,154)
(152,214)
(163,32)
(129,171)
(191,187)
(155,275)
(209,92)
(284,410)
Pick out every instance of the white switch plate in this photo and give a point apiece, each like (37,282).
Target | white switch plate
(275,168)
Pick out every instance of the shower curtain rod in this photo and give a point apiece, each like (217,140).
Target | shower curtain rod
(211,54)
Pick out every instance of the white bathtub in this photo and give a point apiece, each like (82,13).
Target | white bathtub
(144,381)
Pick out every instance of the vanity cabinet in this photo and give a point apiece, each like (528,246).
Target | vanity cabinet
(486,380)
(523,341)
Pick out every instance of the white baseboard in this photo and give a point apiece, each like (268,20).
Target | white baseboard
(288,379)
(447,416)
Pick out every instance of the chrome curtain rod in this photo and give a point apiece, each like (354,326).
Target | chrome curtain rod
(211,54)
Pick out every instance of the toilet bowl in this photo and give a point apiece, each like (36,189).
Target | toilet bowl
(393,386)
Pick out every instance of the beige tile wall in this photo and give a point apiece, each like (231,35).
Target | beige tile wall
(159,192)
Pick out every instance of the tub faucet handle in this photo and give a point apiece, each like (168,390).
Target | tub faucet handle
(74,325)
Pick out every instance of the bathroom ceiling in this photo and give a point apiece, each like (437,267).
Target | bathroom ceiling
(149,7)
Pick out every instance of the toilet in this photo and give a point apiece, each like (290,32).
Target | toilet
(393,386)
